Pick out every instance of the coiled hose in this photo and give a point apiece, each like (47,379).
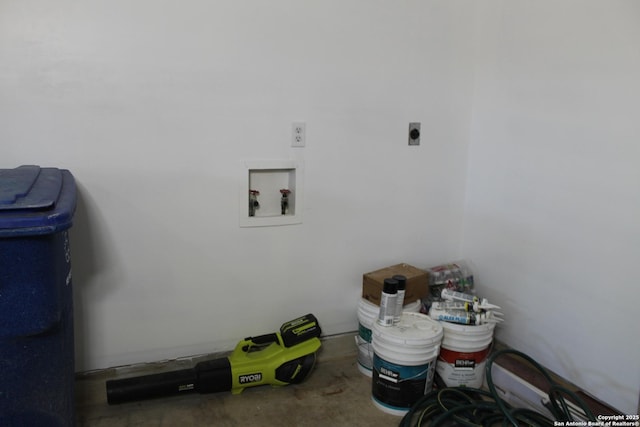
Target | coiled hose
(473,407)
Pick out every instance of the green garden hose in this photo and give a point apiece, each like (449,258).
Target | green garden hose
(465,406)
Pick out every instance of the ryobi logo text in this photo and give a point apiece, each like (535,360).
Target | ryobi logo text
(250,378)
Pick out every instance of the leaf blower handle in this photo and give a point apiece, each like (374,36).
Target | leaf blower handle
(263,339)
(206,377)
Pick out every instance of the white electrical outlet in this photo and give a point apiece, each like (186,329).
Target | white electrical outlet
(298,134)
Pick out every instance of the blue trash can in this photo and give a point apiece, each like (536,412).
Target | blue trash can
(36,300)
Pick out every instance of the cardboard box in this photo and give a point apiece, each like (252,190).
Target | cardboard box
(417,283)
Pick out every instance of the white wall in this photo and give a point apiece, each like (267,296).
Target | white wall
(551,220)
(153,104)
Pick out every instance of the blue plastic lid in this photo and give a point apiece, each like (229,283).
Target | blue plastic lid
(35,200)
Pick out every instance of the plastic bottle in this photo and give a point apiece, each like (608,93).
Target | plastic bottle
(462,317)
(476,306)
(454,305)
(436,282)
(402,284)
(448,279)
(388,300)
(449,295)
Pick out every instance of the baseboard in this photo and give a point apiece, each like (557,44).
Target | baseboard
(521,385)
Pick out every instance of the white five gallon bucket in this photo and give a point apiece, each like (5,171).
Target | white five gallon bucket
(367,315)
(463,354)
(404,361)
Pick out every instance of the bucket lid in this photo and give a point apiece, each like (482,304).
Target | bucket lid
(414,329)
(413,307)
(368,305)
(35,200)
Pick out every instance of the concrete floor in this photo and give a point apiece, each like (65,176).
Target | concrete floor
(335,394)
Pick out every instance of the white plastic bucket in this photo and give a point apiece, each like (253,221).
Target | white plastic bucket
(367,315)
(463,354)
(404,361)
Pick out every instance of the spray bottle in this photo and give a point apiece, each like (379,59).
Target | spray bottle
(388,302)
(402,284)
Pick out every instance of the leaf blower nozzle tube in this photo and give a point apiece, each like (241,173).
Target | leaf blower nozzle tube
(206,377)
(281,358)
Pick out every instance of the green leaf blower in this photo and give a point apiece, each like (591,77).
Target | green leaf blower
(280,358)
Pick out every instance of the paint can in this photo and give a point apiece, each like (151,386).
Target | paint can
(463,354)
(367,315)
(404,359)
